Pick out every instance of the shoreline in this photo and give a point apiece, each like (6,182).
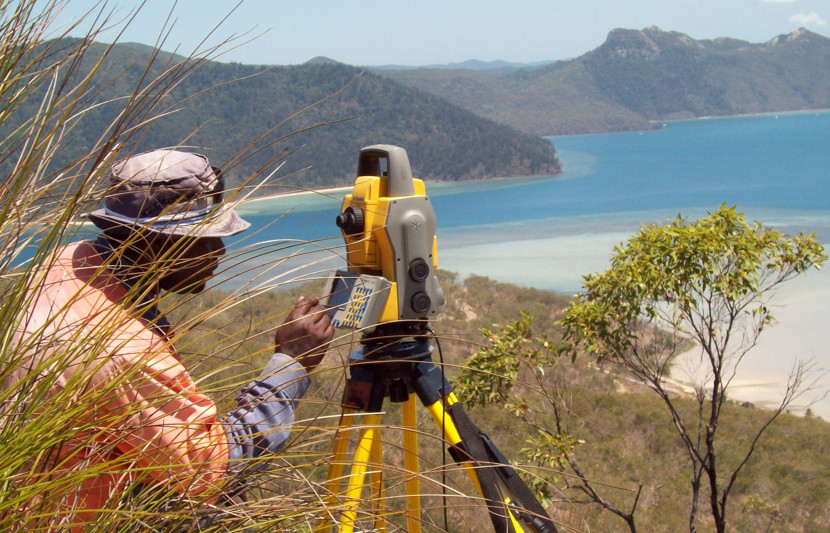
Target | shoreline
(326,191)
(662,122)
(322,192)
(329,192)
(748,115)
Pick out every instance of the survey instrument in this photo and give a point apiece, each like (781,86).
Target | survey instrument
(389,292)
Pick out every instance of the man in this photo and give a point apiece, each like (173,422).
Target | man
(92,328)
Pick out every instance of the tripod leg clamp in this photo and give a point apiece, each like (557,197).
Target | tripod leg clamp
(477,447)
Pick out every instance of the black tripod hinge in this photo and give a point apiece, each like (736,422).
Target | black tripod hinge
(358,395)
(459,453)
(430,384)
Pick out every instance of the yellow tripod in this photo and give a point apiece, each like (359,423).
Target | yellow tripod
(402,370)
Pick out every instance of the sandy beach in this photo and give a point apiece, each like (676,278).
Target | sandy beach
(558,263)
(554,254)
(300,197)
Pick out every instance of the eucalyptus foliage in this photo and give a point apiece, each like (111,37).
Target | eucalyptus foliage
(707,280)
(705,283)
(517,371)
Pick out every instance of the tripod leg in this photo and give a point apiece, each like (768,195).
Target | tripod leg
(341,448)
(498,504)
(362,454)
(376,477)
(336,467)
(410,458)
(511,504)
(445,423)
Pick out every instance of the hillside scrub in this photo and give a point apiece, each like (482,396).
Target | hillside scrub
(616,432)
(224,336)
(620,435)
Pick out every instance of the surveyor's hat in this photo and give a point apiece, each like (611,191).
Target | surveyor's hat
(170,192)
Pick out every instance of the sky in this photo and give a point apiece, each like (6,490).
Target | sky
(428,32)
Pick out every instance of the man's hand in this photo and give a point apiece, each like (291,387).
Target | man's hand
(306,333)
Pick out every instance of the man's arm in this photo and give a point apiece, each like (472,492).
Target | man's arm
(262,421)
(171,430)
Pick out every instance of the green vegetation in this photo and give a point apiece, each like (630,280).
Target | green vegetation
(640,76)
(247,119)
(616,432)
(703,284)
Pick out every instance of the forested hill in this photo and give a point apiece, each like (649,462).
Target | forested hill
(444,142)
(638,76)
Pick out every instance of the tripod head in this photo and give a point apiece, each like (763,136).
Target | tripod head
(388,225)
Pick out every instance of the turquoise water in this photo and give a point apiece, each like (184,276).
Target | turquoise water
(548,232)
(775,168)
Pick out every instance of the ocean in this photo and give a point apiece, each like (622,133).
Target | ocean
(548,232)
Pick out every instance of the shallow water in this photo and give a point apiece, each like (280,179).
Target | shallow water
(548,232)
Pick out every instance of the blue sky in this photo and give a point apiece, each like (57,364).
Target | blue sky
(423,32)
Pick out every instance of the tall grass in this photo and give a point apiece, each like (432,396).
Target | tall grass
(51,420)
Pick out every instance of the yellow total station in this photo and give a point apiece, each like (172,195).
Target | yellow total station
(390,292)
(389,225)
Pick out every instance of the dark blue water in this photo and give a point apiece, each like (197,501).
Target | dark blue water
(759,161)
(769,161)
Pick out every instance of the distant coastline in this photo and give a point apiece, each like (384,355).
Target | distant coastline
(261,204)
(324,191)
(748,115)
(663,122)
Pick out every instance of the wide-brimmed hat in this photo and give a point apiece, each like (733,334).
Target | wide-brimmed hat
(169,192)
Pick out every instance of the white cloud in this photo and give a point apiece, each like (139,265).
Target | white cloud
(778,1)
(808,19)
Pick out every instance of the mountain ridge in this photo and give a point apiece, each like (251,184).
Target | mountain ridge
(637,78)
(470,64)
(456,123)
(313,117)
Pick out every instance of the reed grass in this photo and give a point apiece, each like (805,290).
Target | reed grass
(51,420)
(47,432)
